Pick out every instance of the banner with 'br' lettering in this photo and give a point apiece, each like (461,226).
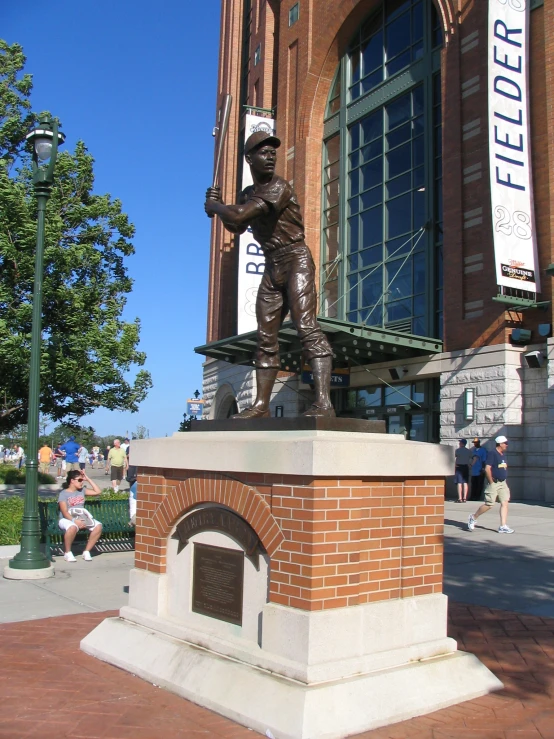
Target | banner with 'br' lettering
(251,258)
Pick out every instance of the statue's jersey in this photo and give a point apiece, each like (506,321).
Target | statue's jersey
(280,221)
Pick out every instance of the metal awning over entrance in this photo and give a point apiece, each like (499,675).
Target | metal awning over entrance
(352,343)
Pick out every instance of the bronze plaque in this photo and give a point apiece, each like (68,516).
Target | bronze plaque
(217,583)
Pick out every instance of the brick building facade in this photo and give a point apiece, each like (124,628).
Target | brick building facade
(382,111)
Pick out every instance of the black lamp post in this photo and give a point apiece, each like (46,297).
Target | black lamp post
(30,562)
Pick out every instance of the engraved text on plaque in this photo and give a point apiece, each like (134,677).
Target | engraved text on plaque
(217,582)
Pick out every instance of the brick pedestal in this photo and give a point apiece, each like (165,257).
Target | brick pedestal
(344,624)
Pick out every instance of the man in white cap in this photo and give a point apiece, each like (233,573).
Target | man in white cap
(497,488)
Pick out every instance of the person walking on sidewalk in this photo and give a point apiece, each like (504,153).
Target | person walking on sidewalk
(461,471)
(478,462)
(118,463)
(497,487)
(73,514)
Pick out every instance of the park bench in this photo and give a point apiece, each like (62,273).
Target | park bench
(117,534)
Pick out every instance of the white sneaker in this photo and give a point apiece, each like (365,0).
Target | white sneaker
(69,557)
(505,530)
(471,522)
(87,557)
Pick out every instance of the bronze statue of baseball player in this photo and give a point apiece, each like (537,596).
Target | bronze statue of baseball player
(270,208)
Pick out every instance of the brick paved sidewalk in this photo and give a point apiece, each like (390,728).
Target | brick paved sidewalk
(50,689)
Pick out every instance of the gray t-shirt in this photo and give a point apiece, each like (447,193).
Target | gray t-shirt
(463,455)
(75,498)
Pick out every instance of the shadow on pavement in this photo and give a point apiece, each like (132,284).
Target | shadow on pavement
(498,574)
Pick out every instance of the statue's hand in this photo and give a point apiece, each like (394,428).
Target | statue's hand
(213,193)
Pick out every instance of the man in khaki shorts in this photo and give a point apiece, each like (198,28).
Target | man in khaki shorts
(497,488)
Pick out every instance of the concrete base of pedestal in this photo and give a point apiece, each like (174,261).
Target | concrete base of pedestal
(290,709)
(11,573)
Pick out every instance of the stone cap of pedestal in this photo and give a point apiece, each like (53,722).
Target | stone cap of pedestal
(303,453)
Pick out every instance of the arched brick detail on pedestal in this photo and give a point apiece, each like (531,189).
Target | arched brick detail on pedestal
(215,488)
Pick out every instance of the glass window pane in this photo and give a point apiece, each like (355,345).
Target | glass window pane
(372,24)
(417,51)
(372,288)
(332,193)
(417,21)
(400,310)
(371,197)
(353,234)
(331,216)
(399,279)
(393,8)
(372,226)
(418,151)
(355,66)
(333,149)
(353,292)
(418,392)
(369,151)
(399,216)
(419,305)
(372,126)
(399,160)
(355,91)
(419,209)
(397,36)
(417,427)
(372,80)
(373,255)
(399,111)
(372,173)
(419,177)
(397,395)
(331,236)
(355,159)
(334,105)
(354,137)
(369,397)
(399,62)
(418,125)
(350,399)
(419,273)
(418,100)
(372,54)
(354,182)
(353,206)
(397,247)
(399,185)
(399,135)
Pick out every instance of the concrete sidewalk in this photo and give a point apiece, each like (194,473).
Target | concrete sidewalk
(514,572)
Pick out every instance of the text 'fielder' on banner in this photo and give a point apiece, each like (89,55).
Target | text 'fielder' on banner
(251,258)
(515,245)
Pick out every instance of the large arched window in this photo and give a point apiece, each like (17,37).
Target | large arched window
(382,178)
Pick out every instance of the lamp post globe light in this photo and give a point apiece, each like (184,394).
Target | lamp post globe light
(30,562)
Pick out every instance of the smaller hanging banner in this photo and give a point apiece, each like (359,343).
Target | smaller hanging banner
(515,244)
(251,258)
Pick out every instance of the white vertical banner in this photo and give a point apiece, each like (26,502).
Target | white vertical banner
(515,243)
(251,258)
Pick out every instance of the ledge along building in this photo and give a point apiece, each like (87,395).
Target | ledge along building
(416,135)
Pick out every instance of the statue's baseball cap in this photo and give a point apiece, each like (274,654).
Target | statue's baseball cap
(501,440)
(258,138)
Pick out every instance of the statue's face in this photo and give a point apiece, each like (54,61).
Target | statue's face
(262,160)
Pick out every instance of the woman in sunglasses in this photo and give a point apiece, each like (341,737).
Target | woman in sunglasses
(73,514)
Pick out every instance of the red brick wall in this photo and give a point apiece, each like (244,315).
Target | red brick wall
(332,543)
(314,46)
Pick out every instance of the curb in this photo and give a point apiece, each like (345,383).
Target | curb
(21,488)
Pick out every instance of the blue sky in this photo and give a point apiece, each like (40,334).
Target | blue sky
(137,82)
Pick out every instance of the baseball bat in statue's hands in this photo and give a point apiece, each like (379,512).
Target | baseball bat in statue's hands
(220,131)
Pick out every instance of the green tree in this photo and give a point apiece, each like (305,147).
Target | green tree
(88,350)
